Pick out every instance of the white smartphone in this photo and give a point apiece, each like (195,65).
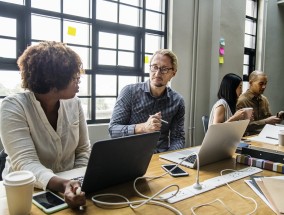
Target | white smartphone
(176,172)
(49,202)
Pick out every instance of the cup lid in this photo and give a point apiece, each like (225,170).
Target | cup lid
(19,178)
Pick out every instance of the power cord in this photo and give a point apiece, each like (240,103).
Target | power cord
(149,199)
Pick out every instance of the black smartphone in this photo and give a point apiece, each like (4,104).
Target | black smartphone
(175,172)
(49,202)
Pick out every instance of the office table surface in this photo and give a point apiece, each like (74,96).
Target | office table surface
(234,202)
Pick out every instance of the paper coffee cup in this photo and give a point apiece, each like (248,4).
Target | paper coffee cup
(281,138)
(19,187)
(248,112)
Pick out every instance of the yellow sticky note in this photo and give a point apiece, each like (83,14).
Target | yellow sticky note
(71,31)
(146,59)
(221,60)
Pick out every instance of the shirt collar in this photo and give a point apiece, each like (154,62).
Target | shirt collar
(252,96)
(146,89)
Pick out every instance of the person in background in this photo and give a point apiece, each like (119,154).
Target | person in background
(224,110)
(43,129)
(254,98)
(152,106)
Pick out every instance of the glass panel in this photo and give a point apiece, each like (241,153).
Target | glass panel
(126,42)
(153,43)
(147,63)
(154,21)
(10,82)
(86,105)
(246,59)
(125,80)
(107,40)
(126,59)
(8,48)
(77,33)
(21,2)
(8,27)
(129,15)
(104,107)
(51,30)
(250,27)
(107,57)
(245,69)
(77,7)
(250,41)
(132,2)
(106,11)
(105,85)
(251,8)
(85,54)
(155,5)
(52,5)
(245,86)
(85,85)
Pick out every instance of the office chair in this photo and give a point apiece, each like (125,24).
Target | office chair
(3,156)
(205,120)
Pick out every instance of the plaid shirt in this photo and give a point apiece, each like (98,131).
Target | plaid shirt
(261,111)
(134,105)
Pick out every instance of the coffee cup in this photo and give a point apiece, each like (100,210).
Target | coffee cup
(281,138)
(248,112)
(19,187)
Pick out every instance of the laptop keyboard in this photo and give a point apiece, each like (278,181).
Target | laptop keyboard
(80,179)
(190,159)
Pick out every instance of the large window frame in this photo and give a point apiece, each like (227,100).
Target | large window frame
(139,71)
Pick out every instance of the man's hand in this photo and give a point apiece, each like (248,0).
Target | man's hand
(153,123)
(272,120)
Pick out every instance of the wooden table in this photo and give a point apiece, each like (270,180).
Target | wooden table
(233,201)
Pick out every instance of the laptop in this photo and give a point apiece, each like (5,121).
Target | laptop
(220,142)
(115,161)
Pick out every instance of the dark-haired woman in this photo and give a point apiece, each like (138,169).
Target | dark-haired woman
(224,110)
(44,130)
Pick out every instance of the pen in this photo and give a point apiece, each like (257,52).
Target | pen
(272,138)
(164,121)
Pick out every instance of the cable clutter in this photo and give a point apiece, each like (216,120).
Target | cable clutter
(160,200)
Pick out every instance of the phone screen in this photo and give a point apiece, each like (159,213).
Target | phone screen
(176,172)
(48,200)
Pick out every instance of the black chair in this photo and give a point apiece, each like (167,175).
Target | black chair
(3,156)
(205,120)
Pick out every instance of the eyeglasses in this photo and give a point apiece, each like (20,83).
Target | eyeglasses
(163,70)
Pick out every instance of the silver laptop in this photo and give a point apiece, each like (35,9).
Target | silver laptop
(115,161)
(220,142)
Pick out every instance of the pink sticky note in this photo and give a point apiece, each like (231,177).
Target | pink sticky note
(222,51)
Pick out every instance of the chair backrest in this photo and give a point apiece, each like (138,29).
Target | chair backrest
(205,120)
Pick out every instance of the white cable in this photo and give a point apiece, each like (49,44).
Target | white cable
(149,199)
(208,204)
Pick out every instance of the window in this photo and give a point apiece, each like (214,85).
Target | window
(250,40)
(115,46)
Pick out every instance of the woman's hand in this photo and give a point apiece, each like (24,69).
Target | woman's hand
(73,195)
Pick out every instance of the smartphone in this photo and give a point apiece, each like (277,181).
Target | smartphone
(176,172)
(49,202)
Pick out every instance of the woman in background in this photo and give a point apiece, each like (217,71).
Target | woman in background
(224,110)
(44,130)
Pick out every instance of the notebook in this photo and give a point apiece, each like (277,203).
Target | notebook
(220,142)
(115,161)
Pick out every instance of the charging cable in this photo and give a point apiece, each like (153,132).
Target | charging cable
(148,199)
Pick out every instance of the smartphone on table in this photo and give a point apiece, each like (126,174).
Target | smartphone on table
(175,172)
(49,202)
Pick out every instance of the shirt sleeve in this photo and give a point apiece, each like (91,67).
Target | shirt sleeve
(177,139)
(121,115)
(18,142)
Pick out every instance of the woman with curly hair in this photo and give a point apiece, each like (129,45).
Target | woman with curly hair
(44,130)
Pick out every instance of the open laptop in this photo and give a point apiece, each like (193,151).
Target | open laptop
(115,161)
(220,142)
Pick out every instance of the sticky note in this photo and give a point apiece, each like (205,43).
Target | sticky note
(222,51)
(146,59)
(71,31)
(221,60)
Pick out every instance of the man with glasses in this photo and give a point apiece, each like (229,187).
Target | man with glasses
(152,106)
